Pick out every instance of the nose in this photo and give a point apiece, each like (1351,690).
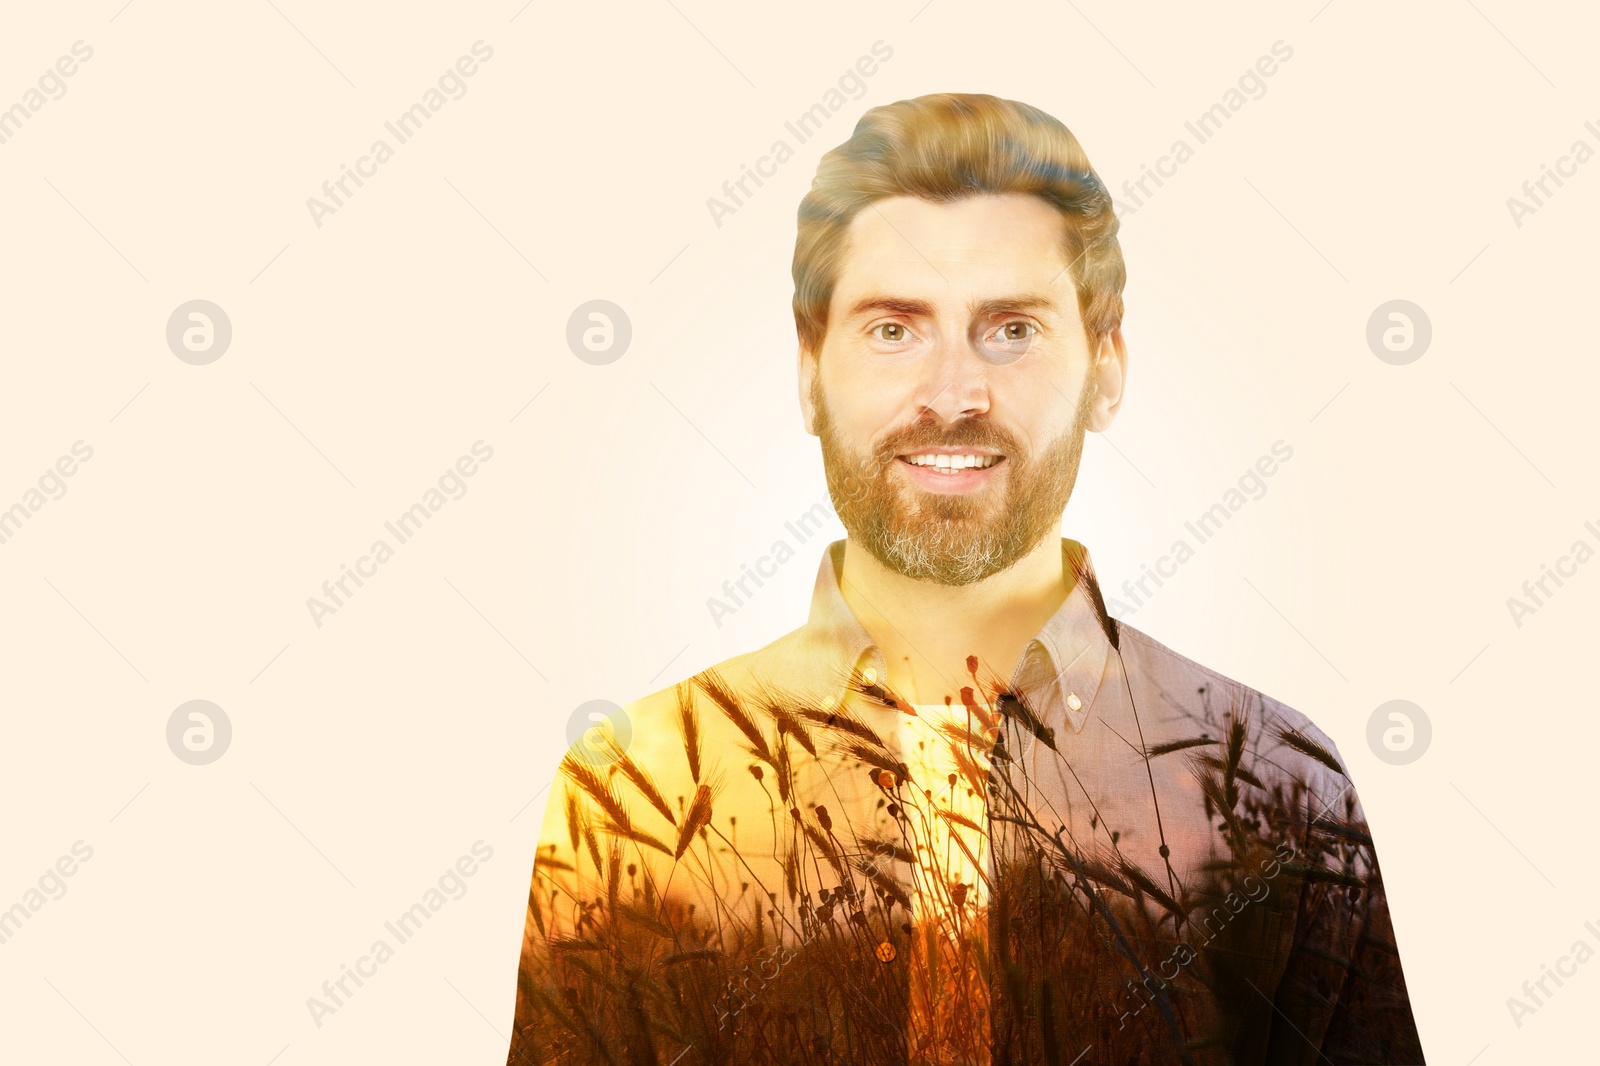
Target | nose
(955,380)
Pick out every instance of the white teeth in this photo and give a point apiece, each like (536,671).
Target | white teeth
(952,463)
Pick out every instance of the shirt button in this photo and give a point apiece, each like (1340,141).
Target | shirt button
(1074,702)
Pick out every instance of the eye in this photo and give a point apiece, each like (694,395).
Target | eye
(1015,332)
(898,332)
(1010,342)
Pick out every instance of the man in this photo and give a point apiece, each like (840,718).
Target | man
(960,815)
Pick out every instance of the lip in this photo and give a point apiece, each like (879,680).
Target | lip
(966,481)
(949,451)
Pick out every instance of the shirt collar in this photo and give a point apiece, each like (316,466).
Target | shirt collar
(1061,667)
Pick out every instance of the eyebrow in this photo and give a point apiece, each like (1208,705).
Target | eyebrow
(899,305)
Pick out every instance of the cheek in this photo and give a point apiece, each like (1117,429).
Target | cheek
(863,408)
(1033,411)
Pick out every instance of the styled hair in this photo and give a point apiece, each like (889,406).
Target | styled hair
(945,147)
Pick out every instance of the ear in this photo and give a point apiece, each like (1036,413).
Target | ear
(807,375)
(1111,375)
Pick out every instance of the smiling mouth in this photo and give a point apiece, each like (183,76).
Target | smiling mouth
(943,463)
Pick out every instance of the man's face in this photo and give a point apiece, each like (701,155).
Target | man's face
(955,383)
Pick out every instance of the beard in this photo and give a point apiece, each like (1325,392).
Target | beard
(950,540)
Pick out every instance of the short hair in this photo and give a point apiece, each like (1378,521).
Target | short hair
(945,147)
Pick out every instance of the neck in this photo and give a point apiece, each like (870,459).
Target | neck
(926,631)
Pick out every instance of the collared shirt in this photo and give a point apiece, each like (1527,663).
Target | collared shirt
(1114,854)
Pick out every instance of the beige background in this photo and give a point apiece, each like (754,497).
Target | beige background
(369,353)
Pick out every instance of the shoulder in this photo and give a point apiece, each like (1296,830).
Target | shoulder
(800,663)
(806,660)
(1160,665)
(706,728)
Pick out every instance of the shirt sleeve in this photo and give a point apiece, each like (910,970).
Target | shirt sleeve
(1342,996)
(553,879)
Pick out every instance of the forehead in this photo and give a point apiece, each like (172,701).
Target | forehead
(975,248)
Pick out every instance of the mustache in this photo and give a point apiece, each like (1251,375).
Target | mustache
(967,433)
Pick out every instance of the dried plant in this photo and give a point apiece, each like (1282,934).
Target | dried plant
(848,941)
